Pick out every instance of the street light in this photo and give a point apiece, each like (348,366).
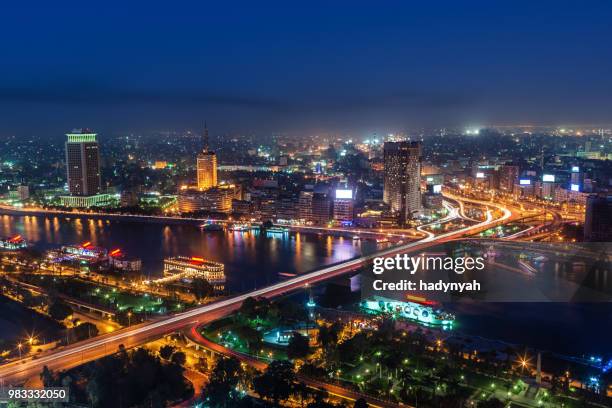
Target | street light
(19,346)
(129,315)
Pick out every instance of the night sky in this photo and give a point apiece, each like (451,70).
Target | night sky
(329,66)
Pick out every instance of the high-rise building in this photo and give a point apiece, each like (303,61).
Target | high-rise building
(321,208)
(598,219)
(83,163)
(576,179)
(343,206)
(508,177)
(286,209)
(402,178)
(217,199)
(305,206)
(206,165)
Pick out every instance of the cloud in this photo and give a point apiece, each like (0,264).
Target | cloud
(77,93)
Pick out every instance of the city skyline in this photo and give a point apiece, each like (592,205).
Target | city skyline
(328,205)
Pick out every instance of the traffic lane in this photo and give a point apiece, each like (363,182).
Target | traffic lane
(260,365)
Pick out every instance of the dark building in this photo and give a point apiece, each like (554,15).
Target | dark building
(83,163)
(321,208)
(287,209)
(402,178)
(242,207)
(598,219)
(508,177)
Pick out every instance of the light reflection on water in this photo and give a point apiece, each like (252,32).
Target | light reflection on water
(251,259)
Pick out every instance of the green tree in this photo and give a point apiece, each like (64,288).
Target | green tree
(48,377)
(277,382)
(166,351)
(202,288)
(328,335)
(179,358)
(298,346)
(83,331)
(221,389)
(59,310)
(492,403)
(360,403)
(251,336)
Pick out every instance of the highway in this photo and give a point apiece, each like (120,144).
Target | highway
(18,372)
(333,389)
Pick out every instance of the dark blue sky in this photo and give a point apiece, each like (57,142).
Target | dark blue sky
(337,66)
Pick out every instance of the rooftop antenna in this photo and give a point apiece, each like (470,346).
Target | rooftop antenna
(205,137)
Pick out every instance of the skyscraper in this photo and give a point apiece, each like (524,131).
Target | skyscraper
(206,165)
(83,163)
(343,205)
(402,178)
(508,177)
(321,208)
(598,218)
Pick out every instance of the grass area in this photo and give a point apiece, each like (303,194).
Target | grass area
(227,333)
(106,296)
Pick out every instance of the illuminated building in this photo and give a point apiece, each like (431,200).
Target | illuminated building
(485,176)
(23,192)
(85,253)
(402,178)
(508,177)
(83,163)
(432,201)
(525,187)
(181,267)
(416,311)
(206,166)
(97,200)
(216,199)
(343,206)
(305,206)
(129,198)
(266,208)
(242,207)
(118,260)
(286,209)
(548,187)
(13,243)
(563,195)
(598,219)
(576,179)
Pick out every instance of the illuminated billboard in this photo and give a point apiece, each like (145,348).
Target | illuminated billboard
(575,169)
(524,182)
(344,194)
(548,178)
(437,188)
(575,187)
(480,174)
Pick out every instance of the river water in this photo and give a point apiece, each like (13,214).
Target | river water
(251,259)
(254,260)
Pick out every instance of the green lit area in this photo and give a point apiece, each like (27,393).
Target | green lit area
(81,137)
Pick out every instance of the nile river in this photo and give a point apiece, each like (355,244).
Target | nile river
(251,259)
(254,260)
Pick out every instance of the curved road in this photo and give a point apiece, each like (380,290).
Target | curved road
(18,372)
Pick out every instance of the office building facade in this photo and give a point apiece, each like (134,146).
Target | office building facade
(83,163)
(402,179)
